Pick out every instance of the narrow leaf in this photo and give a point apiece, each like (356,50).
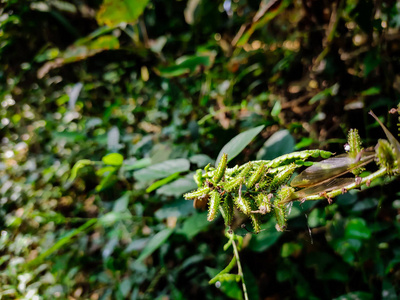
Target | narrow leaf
(61,242)
(161,182)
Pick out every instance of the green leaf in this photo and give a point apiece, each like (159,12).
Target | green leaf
(195,224)
(161,170)
(227,269)
(138,164)
(187,64)
(63,241)
(265,238)
(330,91)
(109,219)
(108,179)
(155,242)
(76,53)
(200,160)
(357,229)
(226,277)
(69,137)
(80,50)
(371,61)
(375,90)
(121,204)
(113,12)
(367,203)
(289,249)
(125,286)
(230,288)
(176,209)
(276,109)
(238,143)
(317,217)
(178,187)
(161,182)
(304,143)
(280,143)
(113,159)
(78,166)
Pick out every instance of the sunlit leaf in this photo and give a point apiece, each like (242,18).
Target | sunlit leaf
(162,182)
(113,12)
(113,159)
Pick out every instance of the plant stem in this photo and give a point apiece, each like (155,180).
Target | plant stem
(240,271)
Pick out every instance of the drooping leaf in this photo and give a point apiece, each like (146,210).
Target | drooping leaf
(77,52)
(78,166)
(330,91)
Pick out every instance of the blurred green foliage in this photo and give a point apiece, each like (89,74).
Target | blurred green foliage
(103,101)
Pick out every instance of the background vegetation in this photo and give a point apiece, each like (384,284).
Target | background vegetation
(143,91)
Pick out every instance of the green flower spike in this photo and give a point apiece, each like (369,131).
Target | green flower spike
(215,199)
(220,171)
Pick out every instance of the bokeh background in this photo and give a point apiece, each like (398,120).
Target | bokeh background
(102,99)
